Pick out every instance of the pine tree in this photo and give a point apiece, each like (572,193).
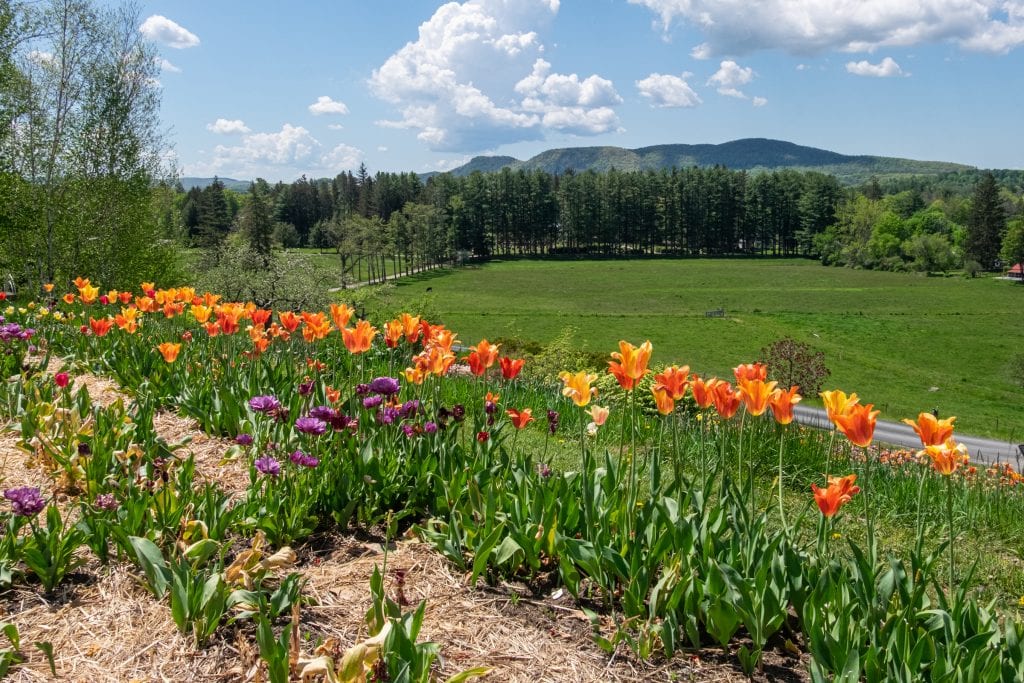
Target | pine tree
(986,224)
(257,224)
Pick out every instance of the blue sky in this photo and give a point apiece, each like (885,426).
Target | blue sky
(276,90)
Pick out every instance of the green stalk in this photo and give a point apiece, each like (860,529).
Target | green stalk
(782,512)
(867,506)
(949,518)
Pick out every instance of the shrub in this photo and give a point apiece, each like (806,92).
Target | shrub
(791,362)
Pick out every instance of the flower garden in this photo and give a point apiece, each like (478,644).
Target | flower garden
(681,514)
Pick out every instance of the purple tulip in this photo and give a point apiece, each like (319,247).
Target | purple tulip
(107,501)
(304,460)
(244,439)
(409,409)
(25,500)
(362,389)
(264,404)
(430,427)
(268,466)
(310,425)
(385,386)
(371,402)
(325,413)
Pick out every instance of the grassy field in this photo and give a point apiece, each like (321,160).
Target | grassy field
(904,342)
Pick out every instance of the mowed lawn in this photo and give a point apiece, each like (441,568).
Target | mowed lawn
(904,342)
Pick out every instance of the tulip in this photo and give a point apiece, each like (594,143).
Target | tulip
(169,351)
(102,326)
(510,368)
(750,371)
(631,365)
(674,380)
(410,327)
(61,379)
(755,394)
(839,492)
(836,402)
(476,364)
(598,414)
(931,430)
(393,333)
(703,391)
(341,314)
(577,387)
(289,320)
(663,400)
(520,418)
(487,352)
(360,339)
(726,401)
(782,403)
(858,423)
(946,457)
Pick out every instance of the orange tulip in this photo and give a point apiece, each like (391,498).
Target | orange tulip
(631,365)
(703,391)
(169,351)
(315,326)
(393,333)
(260,316)
(663,400)
(125,297)
(441,338)
(81,282)
(755,394)
(932,430)
(147,287)
(145,304)
(413,375)
(88,293)
(228,322)
(434,360)
(212,329)
(674,380)
(782,403)
(172,309)
(836,402)
(750,371)
(332,394)
(289,320)
(858,423)
(102,326)
(358,340)
(341,314)
(411,327)
(69,298)
(486,351)
(839,492)
(947,457)
(727,401)
(492,398)
(201,313)
(510,368)
(520,418)
(577,387)
(48,287)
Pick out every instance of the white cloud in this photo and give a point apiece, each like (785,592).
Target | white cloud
(884,69)
(167,66)
(341,158)
(162,30)
(729,77)
(815,26)
(40,57)
(448,164)
(335,126)
(664,90)
(802,67)
(473,79)
(759,101)
(382,148)
(325,105)
(228,126)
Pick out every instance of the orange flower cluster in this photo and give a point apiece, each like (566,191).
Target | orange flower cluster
(839,492)
(855,421)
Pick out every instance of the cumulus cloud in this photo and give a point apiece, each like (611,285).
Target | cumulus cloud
(160,29)
(335,126)
(815,26)
(474,79)
(228,126)
(167,66)
(729,77)
(342,158)
(665,90)
(759,101)
(884,69)
(325,105)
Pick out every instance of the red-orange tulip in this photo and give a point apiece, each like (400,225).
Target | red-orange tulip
(393,333)
(674,380)
(102,326)
(289,320)
(341,314)
(510,368)
(703,391)
(476,364)
(663,400)
(487,353)
(839,492)
(69,298)
(726,401)
(931,430)
(260,316)
(520,418)
(750,371)
(858,423)
(169,351)
(782,403)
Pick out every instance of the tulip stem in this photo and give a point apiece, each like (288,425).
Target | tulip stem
(782,511)
(867,506)
(949,518)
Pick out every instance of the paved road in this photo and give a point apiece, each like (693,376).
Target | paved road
(982,450)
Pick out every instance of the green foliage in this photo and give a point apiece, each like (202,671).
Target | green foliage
(794,363)
(49,552)
(987,223)
(286,282)
(1012,251)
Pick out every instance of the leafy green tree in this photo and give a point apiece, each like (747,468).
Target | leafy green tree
(986,224)
(930,252)
(1012,252)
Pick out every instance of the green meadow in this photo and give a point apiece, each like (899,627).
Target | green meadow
(905,342)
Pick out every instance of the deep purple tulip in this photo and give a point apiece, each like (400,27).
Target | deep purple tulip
(385,386)
(310,425)
(325,413)
(264,404)
(304,459)
(25,500)
(268,466)
(371,402)
(409,409)
(244,439)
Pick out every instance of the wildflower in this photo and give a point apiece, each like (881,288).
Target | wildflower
(931,430)
(858,423)
(268,466)
(61,379)
(25,500)
(632,363)
(577,387)
(839,492)
(244,439)
(169,351)
(106,501)
(947,457)
(520,418)
(264,404)
(310,425)
(782,403)
(510,368)
(385,386)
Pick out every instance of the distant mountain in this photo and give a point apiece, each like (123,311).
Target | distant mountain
(229,183)
(751,154)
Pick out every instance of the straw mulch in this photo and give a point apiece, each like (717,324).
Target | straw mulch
(104,626)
